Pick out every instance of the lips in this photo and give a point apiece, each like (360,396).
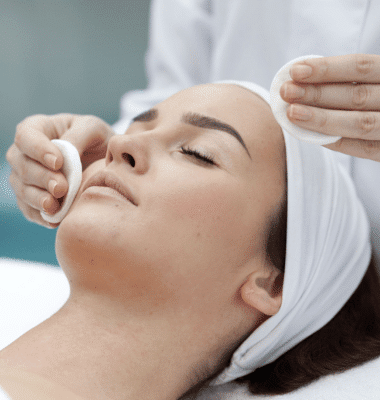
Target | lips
(107,179)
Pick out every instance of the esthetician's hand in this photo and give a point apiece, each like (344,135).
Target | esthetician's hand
(35,161)
(338,96)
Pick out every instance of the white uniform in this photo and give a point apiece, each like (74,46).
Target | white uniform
(201,41)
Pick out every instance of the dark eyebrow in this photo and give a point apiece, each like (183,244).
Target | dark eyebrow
(195,119)
(211,123)
(146,116)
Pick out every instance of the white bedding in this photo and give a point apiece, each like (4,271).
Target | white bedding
(32,292)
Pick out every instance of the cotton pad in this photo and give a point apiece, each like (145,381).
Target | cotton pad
(279,107)
(72,169)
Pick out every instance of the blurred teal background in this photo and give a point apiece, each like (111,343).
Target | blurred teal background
(76,56)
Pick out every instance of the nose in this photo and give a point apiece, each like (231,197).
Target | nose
(129,150)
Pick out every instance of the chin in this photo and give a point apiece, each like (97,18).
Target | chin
(85,239)
(98,251)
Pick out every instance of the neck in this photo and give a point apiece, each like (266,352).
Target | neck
(100,351)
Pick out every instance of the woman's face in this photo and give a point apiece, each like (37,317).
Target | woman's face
(195,226)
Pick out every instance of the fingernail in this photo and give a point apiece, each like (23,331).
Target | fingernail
(44,204)
(51,185)
(50,160)
(300,71)
(293,91)
(300,112)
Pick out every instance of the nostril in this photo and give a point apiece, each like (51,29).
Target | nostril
(129,159)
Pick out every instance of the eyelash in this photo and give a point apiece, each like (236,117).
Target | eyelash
(207,158)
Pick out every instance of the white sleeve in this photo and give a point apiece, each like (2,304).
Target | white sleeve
(178,55)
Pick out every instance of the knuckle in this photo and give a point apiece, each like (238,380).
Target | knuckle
(94,125)
(28,216)
(366,123)
(364,64)
(323,69)
(339,144)
(21,126)
(9,154)
(23,171)
(13,182)
(370,147)
(322,119)
(12,179)
(19,136)
(17,187)
(317,93)
(26,124)
(360,96)
(20,190)
(92,121)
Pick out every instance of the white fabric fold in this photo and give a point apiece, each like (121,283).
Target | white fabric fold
(72,169)
(327,253)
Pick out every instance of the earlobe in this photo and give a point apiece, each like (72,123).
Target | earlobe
(263,290)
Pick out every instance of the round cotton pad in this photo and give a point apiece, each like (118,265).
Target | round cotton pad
(72,169)
(280,106)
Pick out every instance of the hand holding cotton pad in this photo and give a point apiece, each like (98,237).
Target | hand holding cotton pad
(72,169)
(279,107)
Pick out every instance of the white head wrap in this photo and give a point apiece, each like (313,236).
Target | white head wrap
(327,252)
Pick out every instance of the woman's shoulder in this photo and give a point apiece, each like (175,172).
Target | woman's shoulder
(20,384)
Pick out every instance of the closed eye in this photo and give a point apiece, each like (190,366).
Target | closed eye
(206,158)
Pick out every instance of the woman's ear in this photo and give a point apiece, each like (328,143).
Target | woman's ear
(263,290)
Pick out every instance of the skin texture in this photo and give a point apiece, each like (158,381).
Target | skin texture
(163,290)
(338,96)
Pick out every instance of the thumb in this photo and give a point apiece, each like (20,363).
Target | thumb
(89,134)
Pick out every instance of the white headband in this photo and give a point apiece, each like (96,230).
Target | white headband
(327,252)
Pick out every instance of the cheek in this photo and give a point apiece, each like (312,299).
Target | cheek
(212,216)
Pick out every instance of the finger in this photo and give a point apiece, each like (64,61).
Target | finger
(363,68)
(34,215)
(33,138)
(364,125)
(335,96)
(33,173)
(33,196)
(369,149)
(88,132)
